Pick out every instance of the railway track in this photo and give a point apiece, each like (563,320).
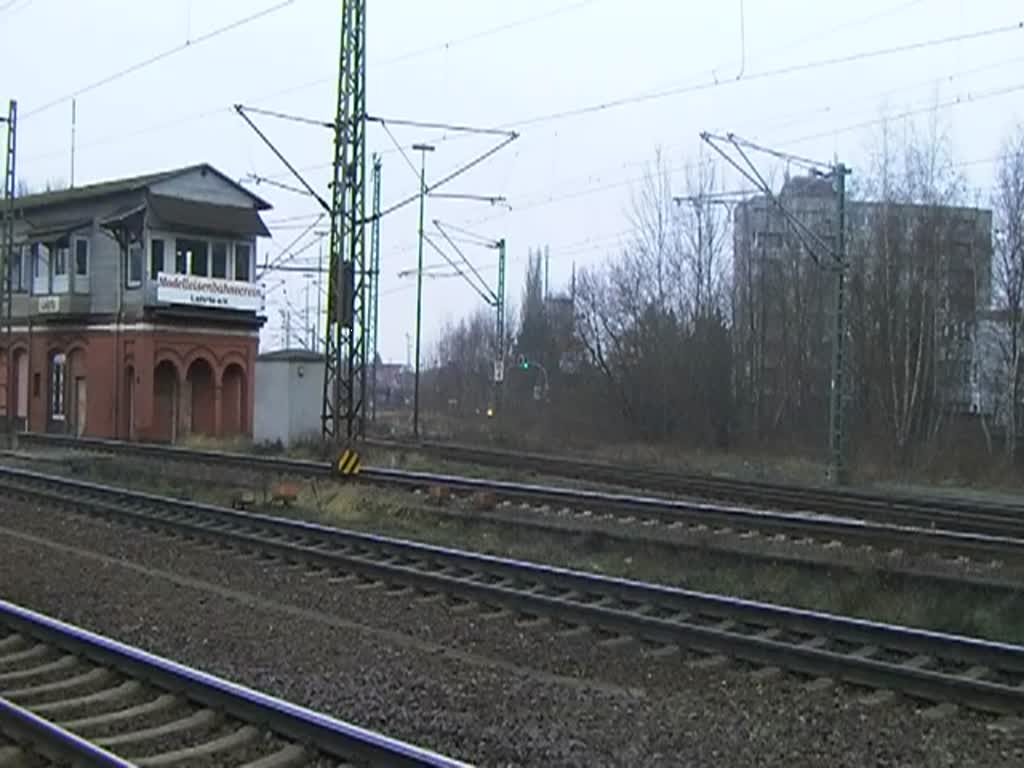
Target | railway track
(985,538)
(899,508)
(660,620)
(71,697)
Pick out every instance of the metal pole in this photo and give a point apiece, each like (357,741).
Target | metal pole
(423,149)
(375,274)
(319,293)
(74,122)
(838,400)
(500,308)
(10,189)
(307,327)
(345,350)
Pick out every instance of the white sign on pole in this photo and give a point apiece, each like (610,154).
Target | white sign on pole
(499,371)
(208,292)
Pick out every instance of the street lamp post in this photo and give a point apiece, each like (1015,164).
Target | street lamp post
(422,149)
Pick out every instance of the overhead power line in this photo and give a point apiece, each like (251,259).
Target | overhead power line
(286,253)
(768,73)
(212,112)
(970,98)
(543,197)
(440,126)
(443,46)
(465,167)
(285,116)
(544,201)
(401,150)
(473,36)
(9,3)
(256,179)
(160,57)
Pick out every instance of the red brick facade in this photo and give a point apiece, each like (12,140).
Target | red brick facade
(134,382)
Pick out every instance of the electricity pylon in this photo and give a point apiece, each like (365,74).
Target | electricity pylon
(830,256)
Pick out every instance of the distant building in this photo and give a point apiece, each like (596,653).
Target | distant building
(783,301)
(561,317)
(993,367)
(289,396)
(136,313)
(394,385)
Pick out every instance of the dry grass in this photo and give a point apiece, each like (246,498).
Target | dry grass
(226,444)
(958,463)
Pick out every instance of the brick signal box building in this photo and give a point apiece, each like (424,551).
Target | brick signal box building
(135,311)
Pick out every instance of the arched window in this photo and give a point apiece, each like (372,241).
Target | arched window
(58,378)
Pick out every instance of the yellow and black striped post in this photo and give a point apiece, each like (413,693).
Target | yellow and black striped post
(348,462)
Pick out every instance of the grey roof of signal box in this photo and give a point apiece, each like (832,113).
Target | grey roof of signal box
(130,184)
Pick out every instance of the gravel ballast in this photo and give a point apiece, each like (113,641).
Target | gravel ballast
(490,692)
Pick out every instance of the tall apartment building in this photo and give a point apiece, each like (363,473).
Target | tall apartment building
(784,299)
(136,311)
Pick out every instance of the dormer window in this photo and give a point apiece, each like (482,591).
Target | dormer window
(39,253)
(156,257)
(135,258)
(20,270)
(219,260)
(200,259)
(191,257)
(243,255)
(60,261)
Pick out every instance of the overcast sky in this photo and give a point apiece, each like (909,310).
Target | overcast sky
(488,63)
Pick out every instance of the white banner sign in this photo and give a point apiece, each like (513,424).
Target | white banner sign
(208,292)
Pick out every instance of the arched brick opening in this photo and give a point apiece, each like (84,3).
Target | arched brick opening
(77,393)
(56,389)
(127,428)
(233,400)
(200,385)
(20,403)
(8,396)
(165,401)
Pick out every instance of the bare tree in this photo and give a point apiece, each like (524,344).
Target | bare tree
(462,372)
(703,224)
(602,320)
(919,333)
(54,184)
(644,318)
(655,244)
(1008,280)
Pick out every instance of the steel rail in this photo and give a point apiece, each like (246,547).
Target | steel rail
(313,736)
(935,666)
(901,506)
(1003,539)
(51,741)
(928,511)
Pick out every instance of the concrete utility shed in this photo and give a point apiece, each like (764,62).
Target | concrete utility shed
(289,391)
